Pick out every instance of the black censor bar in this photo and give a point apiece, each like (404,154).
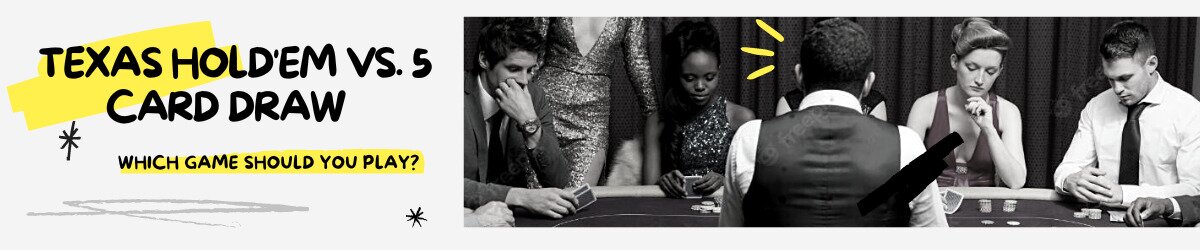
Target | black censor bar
(915,176)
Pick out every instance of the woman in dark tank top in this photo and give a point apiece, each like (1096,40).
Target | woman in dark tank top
(992,153)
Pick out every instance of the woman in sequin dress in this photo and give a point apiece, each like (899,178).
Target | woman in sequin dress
(698,124)
(576,76)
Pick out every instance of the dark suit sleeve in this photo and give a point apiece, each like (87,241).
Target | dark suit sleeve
(476,194)
(1189,206)
(547,159)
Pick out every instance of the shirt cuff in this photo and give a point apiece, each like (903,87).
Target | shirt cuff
(1060,185)
(1129,193)
(1175,213)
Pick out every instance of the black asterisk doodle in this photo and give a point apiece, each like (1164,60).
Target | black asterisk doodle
(415,217)
(69,140)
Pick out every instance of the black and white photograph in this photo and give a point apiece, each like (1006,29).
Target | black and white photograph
(831,121)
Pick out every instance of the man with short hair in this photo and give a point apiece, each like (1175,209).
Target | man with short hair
(812,166)
(1138,140)
(509,148)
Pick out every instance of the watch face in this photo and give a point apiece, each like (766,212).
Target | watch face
(529,128)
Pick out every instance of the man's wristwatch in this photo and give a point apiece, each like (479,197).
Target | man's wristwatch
(530,127)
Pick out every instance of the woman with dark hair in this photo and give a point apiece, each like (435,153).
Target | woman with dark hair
(992,153)
(697,124)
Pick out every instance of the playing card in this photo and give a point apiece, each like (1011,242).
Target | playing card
(951,200)
(584,196)
(1116,216)
(689,186)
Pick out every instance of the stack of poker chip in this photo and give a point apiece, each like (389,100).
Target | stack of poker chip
(1010,206)
(1090,213)
(985,206)
(707,207)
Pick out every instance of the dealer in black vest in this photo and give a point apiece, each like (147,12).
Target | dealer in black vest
(812,166)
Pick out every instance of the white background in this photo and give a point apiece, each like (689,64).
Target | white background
(367,211)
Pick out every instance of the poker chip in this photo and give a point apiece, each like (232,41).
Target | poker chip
(708,203)
(1081,215)
(1010,206)
(987,222)
(1014,223)
(1092,213)
(985,206)
(707,208)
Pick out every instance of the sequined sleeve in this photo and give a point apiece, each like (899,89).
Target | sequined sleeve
(637,64)
(543,27)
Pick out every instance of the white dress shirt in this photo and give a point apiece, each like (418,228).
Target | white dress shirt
(489,106)
(1170,130)
(926,207)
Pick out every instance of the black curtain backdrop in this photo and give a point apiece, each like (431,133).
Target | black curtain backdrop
(1050,73)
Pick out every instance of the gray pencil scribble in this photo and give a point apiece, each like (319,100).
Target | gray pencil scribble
(241,207)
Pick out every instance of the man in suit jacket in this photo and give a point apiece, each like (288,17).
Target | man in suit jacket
(509,147)
(1181,210)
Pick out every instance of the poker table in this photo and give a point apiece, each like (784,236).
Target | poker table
(647,206)
(1036,207)
(629,206)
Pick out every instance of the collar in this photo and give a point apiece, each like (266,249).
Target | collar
(1156,94)
(488,105)
(831,97)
